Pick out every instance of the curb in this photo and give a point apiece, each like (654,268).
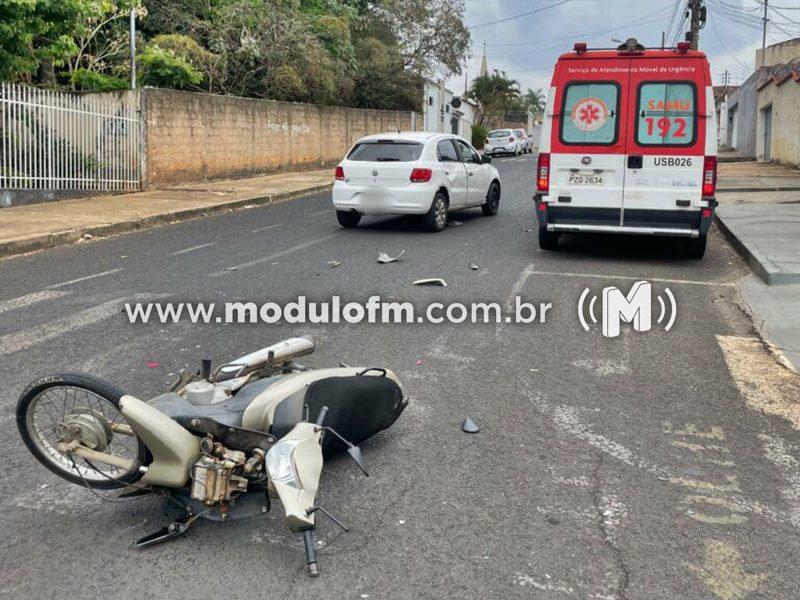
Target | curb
(755,260)
(69,236)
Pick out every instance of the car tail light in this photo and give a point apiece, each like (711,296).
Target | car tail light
(488,141)
(709,175)
(543,172)
(339,174)
(420,175)
(511,139)
(706,213)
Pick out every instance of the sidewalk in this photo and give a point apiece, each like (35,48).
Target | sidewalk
(764,226)
(38,226)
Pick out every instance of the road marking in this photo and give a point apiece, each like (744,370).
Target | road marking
(777,452)
(192,249)
(264,259)
(22,340)
(327,211)
(33,298)
(265,228)
(81,279)
(765,384)
(628,277)
(723,572)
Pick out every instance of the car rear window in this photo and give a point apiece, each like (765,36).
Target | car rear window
(589,114)
(386,151)
(500,133)
(667,114)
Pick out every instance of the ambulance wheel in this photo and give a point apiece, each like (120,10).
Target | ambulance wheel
(696,247)
(548,240)
(347,218)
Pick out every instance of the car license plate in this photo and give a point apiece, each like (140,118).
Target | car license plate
(586,179)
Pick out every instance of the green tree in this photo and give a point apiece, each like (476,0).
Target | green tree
(33,31)
(495,95)
(161,68)
(534,101)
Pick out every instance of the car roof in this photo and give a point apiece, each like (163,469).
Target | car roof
(411,136)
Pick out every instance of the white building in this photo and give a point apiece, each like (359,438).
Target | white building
(439,114)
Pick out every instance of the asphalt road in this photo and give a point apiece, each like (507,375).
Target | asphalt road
(632,467)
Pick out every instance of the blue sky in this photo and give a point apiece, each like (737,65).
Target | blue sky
(527,47)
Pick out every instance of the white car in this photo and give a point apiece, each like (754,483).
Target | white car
(502,141)
(525,140)
(413,173)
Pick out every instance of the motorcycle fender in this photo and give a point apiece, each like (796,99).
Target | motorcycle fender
(174,449)
(307,461)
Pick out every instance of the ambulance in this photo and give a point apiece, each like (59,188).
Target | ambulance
(628,145)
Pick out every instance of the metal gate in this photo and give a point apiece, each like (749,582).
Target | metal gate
(67,141)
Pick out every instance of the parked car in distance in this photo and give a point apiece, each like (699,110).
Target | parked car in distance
(525,140)
(502,141)
(629,145)
(413,173)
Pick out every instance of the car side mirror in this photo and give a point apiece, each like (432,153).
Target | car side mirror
(486,159)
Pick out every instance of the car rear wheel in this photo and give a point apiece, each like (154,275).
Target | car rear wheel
(492,203)
(348,219)
(436,218)
(548,240)
(696,247)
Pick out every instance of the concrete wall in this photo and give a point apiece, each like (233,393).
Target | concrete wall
(785,139)
(192,137)
(742,112)
(780,53)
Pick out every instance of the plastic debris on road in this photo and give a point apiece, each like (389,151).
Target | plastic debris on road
(151,364)
(419,362)
(334,263)
(431,281)
(385,258)
(469,426)
(455,223)
(473,266)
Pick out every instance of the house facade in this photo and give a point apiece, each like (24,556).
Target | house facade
(763,113)
(439,114)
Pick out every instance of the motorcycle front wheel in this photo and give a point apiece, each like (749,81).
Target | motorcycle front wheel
(54,404)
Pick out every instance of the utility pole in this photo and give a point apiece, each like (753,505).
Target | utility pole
(764,33)
(132,34)
(696,8)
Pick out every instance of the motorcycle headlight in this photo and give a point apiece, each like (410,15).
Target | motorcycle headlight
(280,464)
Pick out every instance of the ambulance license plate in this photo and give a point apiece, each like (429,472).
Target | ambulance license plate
(586,179)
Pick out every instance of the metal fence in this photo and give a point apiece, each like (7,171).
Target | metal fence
(67,141)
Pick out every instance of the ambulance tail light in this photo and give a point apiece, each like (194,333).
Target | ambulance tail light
(543,172)
(709,176)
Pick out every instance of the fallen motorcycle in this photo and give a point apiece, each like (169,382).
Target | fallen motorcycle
(220,445)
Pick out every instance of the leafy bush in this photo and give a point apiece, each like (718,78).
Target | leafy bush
(162,68)
(185,48)
(479,133)
(90,81)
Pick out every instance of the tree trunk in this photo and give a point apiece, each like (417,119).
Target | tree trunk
(46,75)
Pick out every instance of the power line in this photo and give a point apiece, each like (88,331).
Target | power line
(591,34)
(519,16)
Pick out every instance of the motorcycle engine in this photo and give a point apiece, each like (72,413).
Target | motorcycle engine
(217,474)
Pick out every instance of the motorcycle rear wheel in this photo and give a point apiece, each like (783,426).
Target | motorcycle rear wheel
(45,403)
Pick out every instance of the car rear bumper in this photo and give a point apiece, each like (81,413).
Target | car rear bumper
(681,223)
(501,149)
(414,199)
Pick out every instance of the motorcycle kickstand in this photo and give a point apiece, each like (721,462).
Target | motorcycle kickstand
(171,531)
(310,542)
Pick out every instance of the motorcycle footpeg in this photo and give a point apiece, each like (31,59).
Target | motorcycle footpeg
(167,533)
